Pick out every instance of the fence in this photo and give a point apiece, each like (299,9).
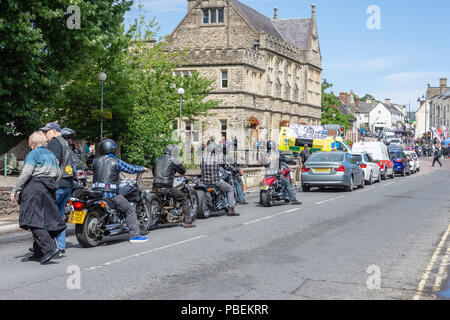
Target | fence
(9,165)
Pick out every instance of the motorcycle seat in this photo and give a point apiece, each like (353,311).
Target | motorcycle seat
(93,193)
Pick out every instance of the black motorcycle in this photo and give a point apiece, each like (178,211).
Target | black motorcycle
(96,217)
(165,211)
(211,199)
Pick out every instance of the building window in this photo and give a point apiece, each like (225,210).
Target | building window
(213,15)
(223,128)
(192,132)
(224,79)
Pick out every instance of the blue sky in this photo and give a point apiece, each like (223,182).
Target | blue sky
(411,49)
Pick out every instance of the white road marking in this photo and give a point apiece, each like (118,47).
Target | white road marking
(429,268)
(332,199)
(142,253)
(270,217)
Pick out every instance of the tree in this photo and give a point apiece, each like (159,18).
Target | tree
(38,53)
(330,113)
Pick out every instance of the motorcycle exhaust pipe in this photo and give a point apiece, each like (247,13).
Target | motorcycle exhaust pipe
(114,229)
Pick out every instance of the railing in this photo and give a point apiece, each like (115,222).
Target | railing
(4,162)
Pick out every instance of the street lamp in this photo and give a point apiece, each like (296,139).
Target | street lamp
(180,92)
(101,77)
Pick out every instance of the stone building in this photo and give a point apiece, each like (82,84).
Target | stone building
(268,69)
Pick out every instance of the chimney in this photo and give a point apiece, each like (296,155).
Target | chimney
(443,82)
(275,13)
(369,101)
(388,101)
(343,97)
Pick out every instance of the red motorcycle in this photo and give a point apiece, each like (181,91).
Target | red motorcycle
(272,189)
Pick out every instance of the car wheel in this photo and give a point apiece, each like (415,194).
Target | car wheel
(370,181)
(306,189)
(350,187)
(363,183)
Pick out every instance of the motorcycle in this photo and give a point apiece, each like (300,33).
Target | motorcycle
(165,211)
(79,185)
(211,199)
(272,189)
(96,217)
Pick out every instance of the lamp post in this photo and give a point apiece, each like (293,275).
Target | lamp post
(180,92)
(101,77)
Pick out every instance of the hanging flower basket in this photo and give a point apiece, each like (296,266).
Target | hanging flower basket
(285,123)
(252,122)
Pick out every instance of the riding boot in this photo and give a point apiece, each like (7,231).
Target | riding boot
(231,212)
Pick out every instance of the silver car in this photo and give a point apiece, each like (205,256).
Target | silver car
(332,169)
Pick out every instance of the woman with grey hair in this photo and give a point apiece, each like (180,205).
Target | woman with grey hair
(35,191)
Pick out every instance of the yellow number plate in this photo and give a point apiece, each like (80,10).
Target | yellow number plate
(321,170)
(264,187)
(77,217)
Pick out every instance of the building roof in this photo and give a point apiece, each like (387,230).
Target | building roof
(293,31)
(444,96)
(392,109)
(365,108)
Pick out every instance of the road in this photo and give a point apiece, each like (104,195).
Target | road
(386,241)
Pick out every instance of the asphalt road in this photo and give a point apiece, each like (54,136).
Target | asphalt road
(380,242)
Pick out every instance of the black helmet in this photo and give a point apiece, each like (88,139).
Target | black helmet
(68,133)
(170,149)
(271,145)
(107,146)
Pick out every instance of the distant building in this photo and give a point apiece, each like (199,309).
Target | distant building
(265,69)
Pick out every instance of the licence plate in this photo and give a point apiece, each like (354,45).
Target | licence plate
(264,187)
(321,170)
(77,217)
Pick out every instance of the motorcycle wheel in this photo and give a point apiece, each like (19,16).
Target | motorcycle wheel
(194,205)
(203,211)
(143,215)
(88,234)
(266,199)
(153,205)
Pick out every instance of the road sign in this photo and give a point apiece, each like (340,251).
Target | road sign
(332,133)
(324,132)
(332,127)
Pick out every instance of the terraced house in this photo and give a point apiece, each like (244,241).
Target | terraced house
(267,71)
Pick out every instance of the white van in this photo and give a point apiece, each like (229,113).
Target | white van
(388,136)
(379,153)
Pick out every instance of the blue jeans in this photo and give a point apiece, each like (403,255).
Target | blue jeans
(239,191)
(62,196)
(288,187)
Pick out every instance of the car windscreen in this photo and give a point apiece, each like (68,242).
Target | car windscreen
(357,157)
(395,141)
(326,157)
(395,155)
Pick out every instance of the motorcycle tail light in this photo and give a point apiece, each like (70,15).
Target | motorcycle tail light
(305,169)
(364,166)
(78,205)
(341,168)
(209,189)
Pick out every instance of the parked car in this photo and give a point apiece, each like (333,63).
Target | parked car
(401,162)
(380,154)
(372,172)
(412,162)
(416,159)
(332,169)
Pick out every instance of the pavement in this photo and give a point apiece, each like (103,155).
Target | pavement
(390,240)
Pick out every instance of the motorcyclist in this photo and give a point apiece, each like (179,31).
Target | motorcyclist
(164,170)
(212,160)
(274,155)
(106,170)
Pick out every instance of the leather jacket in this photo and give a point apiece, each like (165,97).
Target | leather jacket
(164,171)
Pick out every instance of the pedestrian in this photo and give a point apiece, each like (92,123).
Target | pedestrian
(304,155)
(35,191)
(61,149)
(437,156)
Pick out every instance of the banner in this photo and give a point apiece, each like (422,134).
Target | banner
(445,132)
(299,131)
(436,134)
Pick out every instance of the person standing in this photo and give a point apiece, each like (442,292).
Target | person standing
(437,156)
(35,191)
(61,149)
(304,155)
